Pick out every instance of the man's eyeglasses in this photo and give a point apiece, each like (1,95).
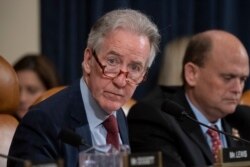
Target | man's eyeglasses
(112,69)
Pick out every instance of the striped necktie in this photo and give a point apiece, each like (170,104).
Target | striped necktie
(216,142)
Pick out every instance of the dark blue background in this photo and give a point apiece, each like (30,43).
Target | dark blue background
(65,25)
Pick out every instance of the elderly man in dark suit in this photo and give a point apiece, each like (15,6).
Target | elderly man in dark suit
(215,67)
(121,47)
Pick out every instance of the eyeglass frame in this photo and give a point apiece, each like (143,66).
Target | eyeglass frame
(121,72)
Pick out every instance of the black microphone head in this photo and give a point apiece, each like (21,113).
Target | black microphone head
(70,137)
(173,108)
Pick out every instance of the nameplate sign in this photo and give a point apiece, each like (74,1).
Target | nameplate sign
(235,154)
(145,159)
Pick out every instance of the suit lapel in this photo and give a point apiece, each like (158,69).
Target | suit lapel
(121,119)
(231,142)
(195,133)
(192,129)
(78,121)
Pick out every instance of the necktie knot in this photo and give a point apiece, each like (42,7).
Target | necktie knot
(110,124)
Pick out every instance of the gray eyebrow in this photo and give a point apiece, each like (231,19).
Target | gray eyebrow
(118,54)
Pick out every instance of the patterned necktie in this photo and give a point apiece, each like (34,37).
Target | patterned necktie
(112,131)
(216,142)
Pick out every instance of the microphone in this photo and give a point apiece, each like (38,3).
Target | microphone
(179,112)
(26,163)
(70,137)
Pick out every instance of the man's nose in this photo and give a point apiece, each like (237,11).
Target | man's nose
(121,79)
(238,85)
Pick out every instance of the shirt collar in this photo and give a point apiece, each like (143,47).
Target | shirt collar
(201,118)
(94,113)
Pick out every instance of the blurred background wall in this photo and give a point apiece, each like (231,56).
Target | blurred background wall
(19,28)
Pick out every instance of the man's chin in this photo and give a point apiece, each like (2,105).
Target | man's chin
(230,110)
(109,108)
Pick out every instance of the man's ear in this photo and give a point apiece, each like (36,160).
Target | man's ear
(191,73)
(86,64)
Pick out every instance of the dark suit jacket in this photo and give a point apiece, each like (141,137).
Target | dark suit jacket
(181,141)
(36,137)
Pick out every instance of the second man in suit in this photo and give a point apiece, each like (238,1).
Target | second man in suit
(215,68)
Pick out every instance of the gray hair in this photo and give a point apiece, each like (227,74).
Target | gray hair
(129,19)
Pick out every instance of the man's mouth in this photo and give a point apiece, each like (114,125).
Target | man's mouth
(112,95)
(234,101)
